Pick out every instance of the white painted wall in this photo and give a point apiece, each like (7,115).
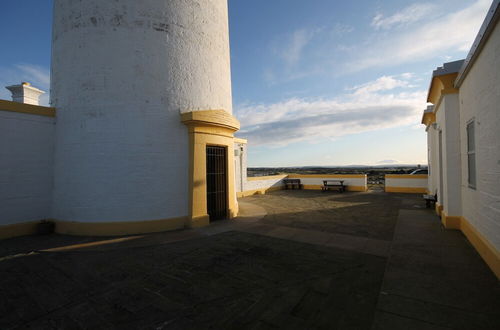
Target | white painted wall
(26,163)
(452,200)
(25,93)
(264,183)
(480,99)
(432,144)
(318,181)
(240,165)
(122,72)
(419,181)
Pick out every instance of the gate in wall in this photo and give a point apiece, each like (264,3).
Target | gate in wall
(216,182)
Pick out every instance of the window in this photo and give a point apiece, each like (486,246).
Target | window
(471,155)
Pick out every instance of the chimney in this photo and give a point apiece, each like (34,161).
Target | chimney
(25,93)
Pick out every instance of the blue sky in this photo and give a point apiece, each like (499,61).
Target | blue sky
(316,82)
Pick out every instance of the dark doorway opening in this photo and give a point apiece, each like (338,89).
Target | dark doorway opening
(216,182)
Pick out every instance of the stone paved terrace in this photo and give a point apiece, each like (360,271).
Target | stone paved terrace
(294,260)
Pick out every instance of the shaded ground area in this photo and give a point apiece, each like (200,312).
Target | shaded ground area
(328,261)
(370,215)
(229,280)
(434,279)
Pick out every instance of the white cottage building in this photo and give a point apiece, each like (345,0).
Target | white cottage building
(463,129)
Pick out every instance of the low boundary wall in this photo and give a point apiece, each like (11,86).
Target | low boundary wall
(406,183)
(354,182)
(263,184)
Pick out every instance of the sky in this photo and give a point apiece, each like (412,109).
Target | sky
(316,82)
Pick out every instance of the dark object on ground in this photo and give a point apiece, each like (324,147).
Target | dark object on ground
(430,200)
(45,227)
(333,184)
(292,183)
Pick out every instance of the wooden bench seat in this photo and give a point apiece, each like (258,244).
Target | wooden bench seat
(333,184)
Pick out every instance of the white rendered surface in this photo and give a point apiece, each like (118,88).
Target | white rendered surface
(26,164)
(240,165)
(448,120)
(432,144)
(122,71)
(25,93)
(277,181)
(347,181)
(263,183)
(418,182)
(479,100)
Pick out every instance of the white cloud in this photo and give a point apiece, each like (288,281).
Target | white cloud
(451,32)
(298,40)
(383,83)
(366,107)
(406,16)
(38,76)
(341,29)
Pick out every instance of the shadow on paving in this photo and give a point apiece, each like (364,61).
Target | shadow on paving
(435,279)
(371,215)
(230,280)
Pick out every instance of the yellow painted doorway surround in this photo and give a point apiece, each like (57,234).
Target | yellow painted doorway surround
(209,128)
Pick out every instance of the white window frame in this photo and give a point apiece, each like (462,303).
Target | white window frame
(471,154)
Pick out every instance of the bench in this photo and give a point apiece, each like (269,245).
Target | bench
(333,184)
(292,183)
(430,200)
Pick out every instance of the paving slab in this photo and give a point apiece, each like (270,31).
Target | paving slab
(435,277)
(370,215)
(305,260)
(219,281)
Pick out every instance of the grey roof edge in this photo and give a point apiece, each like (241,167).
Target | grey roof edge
(487,27)
(447,68)
(430,108)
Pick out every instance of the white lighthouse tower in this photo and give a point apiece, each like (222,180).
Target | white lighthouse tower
(142,91)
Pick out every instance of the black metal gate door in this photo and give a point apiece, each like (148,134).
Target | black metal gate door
(216,182)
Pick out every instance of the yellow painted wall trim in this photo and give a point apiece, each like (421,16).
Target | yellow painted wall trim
(406,176)
(428,118)
(348,187)
(238,140)
(326,176)
(485,249)
(408,190)
(27,108)
(438,208)
(263,191)
(118,228)
(270,177)
(447,91)
(209,128)
(450,222)
(441,85)
(482,245)
(18,229)
(211,117)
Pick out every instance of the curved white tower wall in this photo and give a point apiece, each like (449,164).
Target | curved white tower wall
(122,72)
